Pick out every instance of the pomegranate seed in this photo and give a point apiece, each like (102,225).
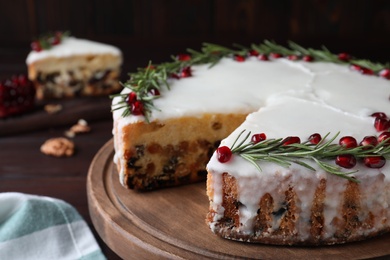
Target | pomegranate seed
(263,57)
(307,58)
(275,55)
(137,108)
(369,141)
(36,46)
(55,40)
(348,142)
(346,161)
(379,115)
(355,67)
(256,138)
(239,58)
(224,154)
(385,73)
(183,57)
(292,57)
(366,71)
(344,56)
(150,67)
(174,76)
(131,98)
(291,140)
(253,53)
(381,124)
(385,136)
(374,161)
(154,92)
(315,138)
(186,72)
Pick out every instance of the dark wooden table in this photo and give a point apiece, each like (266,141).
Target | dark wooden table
(23,168)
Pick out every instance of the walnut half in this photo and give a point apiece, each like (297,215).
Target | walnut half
(58,147)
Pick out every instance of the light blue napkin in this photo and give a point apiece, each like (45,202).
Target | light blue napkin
(37,227)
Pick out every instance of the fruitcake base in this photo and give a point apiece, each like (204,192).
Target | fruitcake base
(139,224)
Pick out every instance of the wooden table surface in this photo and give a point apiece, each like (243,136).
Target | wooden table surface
(23,168)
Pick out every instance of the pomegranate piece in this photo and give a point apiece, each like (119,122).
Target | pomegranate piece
(253,53)
(307,58)
(131,98)
(137,108)
(275,55)
(256,138)
(183,57)
(186,72)
(17,95)
(292,57)
(344,56)
(374,161)
(315,138)
(263,57)
(379,115)
(381,124)
(291,140)
(239,58)
(36,46)
(154,92)
(347,161)
(385,73)
(348,142)
(369,141)
(385,136)
(224,154)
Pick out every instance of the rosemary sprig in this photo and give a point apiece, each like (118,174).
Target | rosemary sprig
(156,76)
(273,150)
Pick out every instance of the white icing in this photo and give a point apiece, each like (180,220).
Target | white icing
(72,46)
(293,98)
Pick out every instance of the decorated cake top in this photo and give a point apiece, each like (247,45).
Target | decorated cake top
(299,92)
(63,45)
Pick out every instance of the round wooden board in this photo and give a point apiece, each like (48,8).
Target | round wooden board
(170,223)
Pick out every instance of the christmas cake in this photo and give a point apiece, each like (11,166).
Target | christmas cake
(62,66)
(304,140)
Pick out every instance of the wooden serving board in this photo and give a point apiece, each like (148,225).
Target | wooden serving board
(170,223)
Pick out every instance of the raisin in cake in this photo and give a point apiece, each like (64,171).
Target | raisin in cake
(71,67)
(163,136)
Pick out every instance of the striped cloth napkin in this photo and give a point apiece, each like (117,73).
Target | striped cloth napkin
(37,227)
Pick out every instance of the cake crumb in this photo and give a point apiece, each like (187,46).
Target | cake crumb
(53,108)
(80,127)
(58,147)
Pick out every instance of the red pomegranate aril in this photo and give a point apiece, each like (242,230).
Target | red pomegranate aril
(374,161)
(366,71)
(379,115)
(292,57)
(137,108)
(36,46)
(381,124)
(385,136)
(263,57)
(348,142)
(256,138)
(347,161)
(253,53)
(174,76)
(131,98)
(315,138)
(355,67)
(183,57)
(385,73)
(344,56)
(55,40)
(186,72)
(369,141)
(275,55)
(291,140)
(154,92)
(307,58)
(239,58)
(224,154)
